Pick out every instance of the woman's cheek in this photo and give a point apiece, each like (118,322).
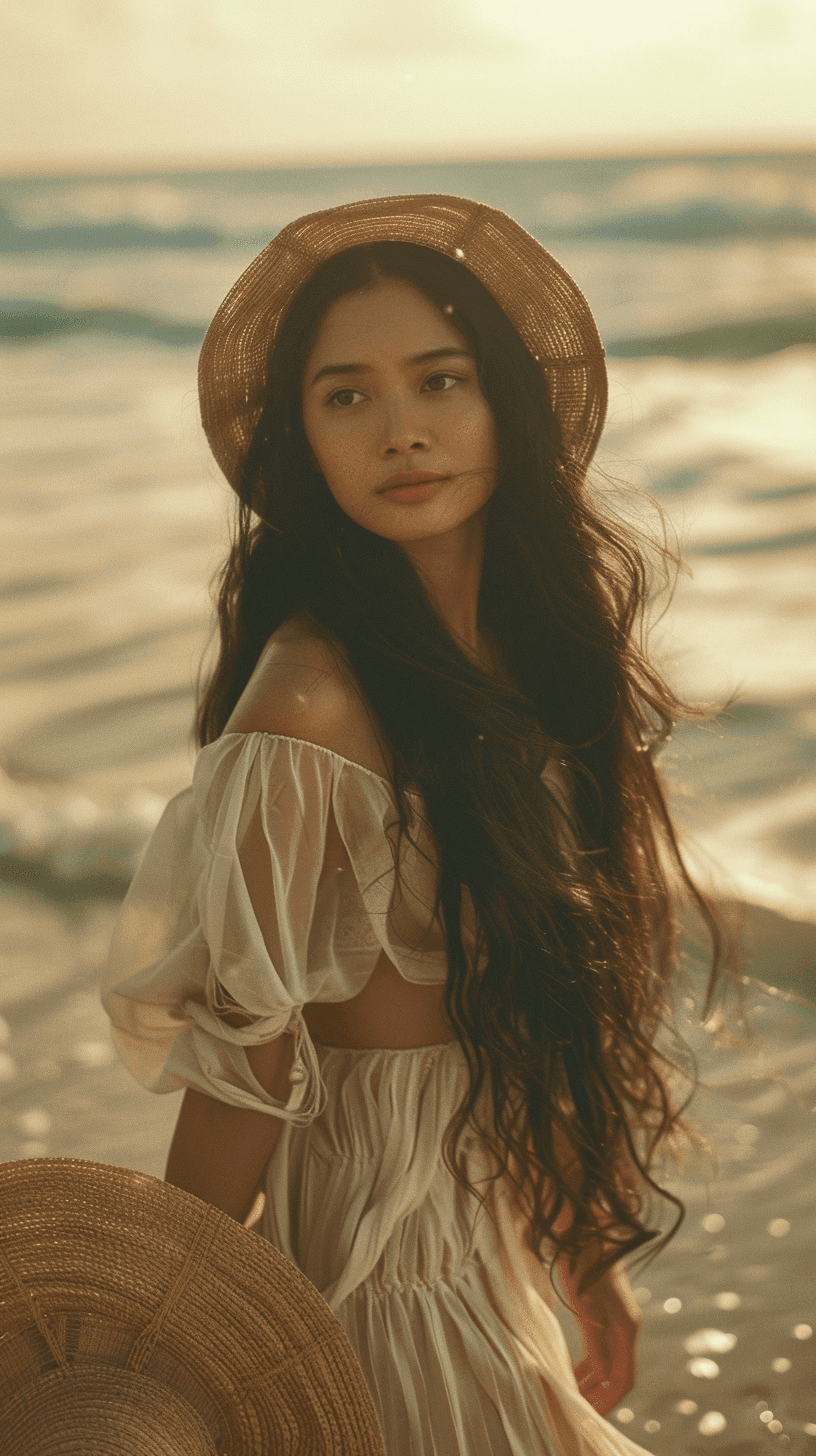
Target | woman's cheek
(337,454)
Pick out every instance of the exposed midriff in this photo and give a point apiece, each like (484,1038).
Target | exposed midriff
(389,1012)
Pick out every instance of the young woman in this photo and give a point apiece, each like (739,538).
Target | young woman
(408,940)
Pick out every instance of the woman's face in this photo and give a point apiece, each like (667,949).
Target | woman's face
(391,389)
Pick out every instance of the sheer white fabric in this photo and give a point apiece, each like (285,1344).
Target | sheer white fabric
(269,884)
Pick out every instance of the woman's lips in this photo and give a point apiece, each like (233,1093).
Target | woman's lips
(408,490)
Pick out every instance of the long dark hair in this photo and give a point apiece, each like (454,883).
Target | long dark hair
(576,908)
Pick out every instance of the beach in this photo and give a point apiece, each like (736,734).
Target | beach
(701,274)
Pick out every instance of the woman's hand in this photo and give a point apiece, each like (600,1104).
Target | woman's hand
(609,1318)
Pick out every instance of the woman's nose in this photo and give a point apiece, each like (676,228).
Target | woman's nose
(402,430)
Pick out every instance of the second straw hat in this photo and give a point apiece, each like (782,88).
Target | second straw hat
(545,305)
(136,1320)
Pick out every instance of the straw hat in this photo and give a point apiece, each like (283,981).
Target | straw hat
(546,307)
(136,1320)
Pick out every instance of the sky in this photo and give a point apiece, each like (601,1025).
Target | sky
(96,84)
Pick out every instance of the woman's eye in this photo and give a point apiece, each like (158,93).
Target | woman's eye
(337,397)
(435,378)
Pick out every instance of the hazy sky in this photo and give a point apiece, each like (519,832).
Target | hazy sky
(122,82)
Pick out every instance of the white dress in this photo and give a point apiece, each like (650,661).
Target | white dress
(451,1316)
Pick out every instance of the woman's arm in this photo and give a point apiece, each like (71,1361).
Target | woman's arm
(609,1318)
(219,1152)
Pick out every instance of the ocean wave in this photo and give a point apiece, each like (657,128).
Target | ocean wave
(795,491)
(736,339)
(95,236)
(256,216)
(785,541)
(64,846)
(24,320)
(27,320)
(699,221)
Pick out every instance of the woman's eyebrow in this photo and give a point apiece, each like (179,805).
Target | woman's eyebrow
(442,353)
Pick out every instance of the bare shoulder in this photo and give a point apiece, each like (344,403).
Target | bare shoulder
(298,684)
(303,687)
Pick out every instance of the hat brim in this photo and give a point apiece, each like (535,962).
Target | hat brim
(542,301)
(121,1262)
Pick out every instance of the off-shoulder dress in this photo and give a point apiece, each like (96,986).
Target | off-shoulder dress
(451,1316)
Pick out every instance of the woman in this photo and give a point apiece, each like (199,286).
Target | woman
(409,938)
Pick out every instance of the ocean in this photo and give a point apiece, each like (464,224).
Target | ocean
(701,272)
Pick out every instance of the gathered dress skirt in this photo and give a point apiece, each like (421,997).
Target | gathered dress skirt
(451,1316)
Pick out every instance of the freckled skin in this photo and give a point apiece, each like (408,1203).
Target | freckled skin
(431,416)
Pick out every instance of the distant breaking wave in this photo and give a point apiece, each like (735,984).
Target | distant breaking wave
(738,339)
(25,321)
(787,541)
(60,845)
(91,237)
(698,220)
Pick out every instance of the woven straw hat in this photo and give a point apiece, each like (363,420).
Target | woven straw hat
(136,1320)
(546,307)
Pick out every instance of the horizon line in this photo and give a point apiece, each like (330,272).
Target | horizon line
(616,150)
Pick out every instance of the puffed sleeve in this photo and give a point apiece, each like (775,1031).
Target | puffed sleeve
(269,883)
(210,952)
